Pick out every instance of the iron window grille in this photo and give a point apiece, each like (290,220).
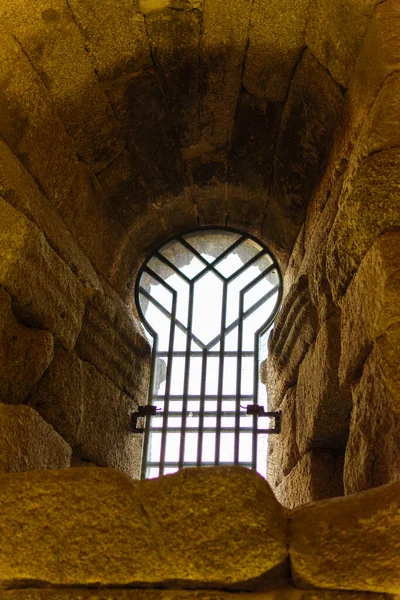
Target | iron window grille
(207,298)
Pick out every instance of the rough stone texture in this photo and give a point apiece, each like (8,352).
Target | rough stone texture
(116,36)
(53,44)
(311,112)
(90,412)
(363,215)
(30,124)
(323,409)
(371,303)
(369,530)
(100,234)
(223,45)
(283,452)
(175,38)
(296,258)
(275,44)
(28,443)
(25,354)
(19,188)
(178,524)
(278,592)
(317,475)
(372,453)
(330,38)
(383,126)
(111,340)
(45,293)
(142,110)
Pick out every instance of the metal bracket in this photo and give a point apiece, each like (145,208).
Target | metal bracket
(258,411)
(143,411)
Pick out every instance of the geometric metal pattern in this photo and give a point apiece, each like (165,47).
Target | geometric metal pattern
(206,297)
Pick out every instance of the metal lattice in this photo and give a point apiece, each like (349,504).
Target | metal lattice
(207,298)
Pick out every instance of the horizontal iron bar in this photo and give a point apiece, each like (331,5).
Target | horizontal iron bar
(198,353)
(230,398)
(225,413)
(205,429)
(203,464)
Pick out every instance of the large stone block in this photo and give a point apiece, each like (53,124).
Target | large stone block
(373,449)
(45,293)
(223,45)
(54,46)
(322,408)
(19,188)
(178,524)
(25,353)
(28,443)
(363,216)
(116,36)
(349,543)
(371,303)
(317,475)
(30,125)
(276,41)
(383,127)
(101,236)
(112,341)
(141,108)
(294,264)
(331,40)
(175,43)
(311,112)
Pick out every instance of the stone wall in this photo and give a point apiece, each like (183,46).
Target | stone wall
(332,366)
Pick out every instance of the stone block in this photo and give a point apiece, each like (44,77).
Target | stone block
(276,41)
(296,258)
(311,112)
(45,293)
(28,443)
(358,534)
(331,40)
(116,36)
(317,475)
(373,449)
(25,353)
(112,341)
(174,37)
(101,236)
(223,46)
(178,524)
(30,124)
(370,305)
(363,216)
(283,452)
(141,108)
(383,128)
(19,188)
(178,213)
(54,46)
(322,408)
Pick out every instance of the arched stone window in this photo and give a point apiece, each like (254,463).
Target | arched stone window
(207,298)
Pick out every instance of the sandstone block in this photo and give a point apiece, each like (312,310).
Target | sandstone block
(383,129)
(275,43)
(19,188)
(317,475)
(178,524)
(30,124)
(370,305)
(101,236)
(116,36)
(223,46)
(363,216)
(175,42)
(114,343)
(179,213)
(25,354)
(44,291)
(331,40)
(28,443)
(296,258)
(53,43)
(373,449)
(322,408)
(311,112)
(358,534)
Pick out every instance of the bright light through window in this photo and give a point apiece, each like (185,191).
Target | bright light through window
(208,299)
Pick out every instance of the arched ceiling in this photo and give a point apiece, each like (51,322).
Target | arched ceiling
(180,112)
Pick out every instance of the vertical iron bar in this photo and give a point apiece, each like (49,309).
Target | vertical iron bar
(221,374)
(186,376)
(202,405)
(145,447)
(238,380)
(255,396)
